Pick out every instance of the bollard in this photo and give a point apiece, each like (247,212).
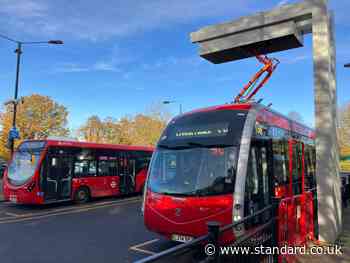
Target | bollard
(214,232)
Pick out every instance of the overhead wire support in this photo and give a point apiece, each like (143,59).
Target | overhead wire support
(253,86)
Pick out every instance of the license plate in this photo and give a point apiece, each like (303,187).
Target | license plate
(13,198)
(181,238)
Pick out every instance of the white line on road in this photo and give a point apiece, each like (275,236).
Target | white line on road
(77,209)
(138,249)
(12,214)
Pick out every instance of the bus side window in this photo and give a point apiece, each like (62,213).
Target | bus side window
(142,160)
(307,168)
(265,177)
(277,162)
(107,162)
(279,167)
(310,167)
(107,166)
(85,164)
(252,184)
(297,167)
(286,162)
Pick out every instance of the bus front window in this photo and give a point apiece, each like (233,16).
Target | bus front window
(24,163)
(194,172)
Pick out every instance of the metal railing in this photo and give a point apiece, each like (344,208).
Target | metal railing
(260,230)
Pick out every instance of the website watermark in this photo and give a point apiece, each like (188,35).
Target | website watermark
(211,250)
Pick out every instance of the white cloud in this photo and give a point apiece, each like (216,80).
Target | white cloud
(296,59)
(73,67)
(282,2)
(99,20)
(104,66)
(173,61)
(23,8)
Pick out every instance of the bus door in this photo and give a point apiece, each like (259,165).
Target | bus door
(258,188)
(59,177)
(295,204)
(127,173)
(296,167)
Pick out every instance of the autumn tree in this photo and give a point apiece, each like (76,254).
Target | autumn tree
(100,131)
(146,130)
(37,118)
(141,129)
(92,130)
(344,125)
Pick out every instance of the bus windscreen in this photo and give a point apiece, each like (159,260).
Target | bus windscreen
(24,162)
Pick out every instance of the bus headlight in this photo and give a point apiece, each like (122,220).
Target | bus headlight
(31,187)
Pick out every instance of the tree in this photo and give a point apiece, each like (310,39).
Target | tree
(92,130)
(295,116)
(141,129)
(100,131)
(344,125)
(37,118)
(146,129)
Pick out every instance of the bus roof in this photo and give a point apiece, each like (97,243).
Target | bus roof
(71,143)
(265,114)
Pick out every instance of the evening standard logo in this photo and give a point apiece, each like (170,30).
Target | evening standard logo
(284,250)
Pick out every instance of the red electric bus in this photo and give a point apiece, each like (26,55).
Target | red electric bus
(225,163)
(57,170)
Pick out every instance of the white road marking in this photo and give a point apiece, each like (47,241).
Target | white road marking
(12,214)
(138,249)
(77,209)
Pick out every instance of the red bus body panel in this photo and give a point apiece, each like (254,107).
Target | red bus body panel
(168,215)
(140,180)
(21,193)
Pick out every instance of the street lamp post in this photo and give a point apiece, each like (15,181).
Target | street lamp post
(18,51)
(174,101)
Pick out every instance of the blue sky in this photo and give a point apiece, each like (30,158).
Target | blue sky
(120,57)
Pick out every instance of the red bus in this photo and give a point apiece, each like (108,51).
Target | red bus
(57,170)
(222,164)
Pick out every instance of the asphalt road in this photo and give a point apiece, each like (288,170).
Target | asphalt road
(107,230)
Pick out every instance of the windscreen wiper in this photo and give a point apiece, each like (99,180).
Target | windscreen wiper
(208,145)
(197,144)
(172,147)
(164,146)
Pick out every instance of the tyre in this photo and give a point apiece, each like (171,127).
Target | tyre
(82,195)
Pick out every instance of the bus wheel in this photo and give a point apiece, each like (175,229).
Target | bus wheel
(82,195)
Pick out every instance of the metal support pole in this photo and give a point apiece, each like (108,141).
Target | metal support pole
(214,231)
(18,51)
